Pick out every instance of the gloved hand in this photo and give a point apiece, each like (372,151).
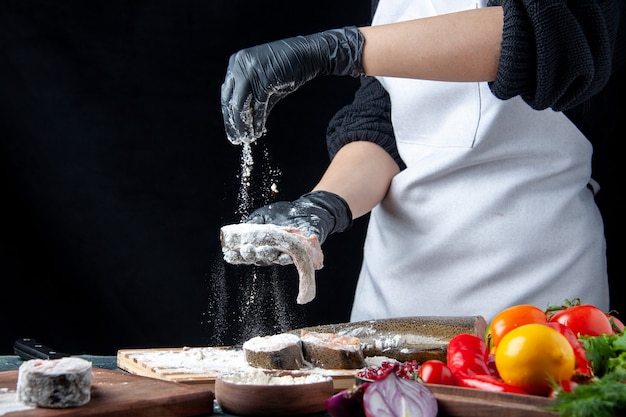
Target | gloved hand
(258,77)
(318,213)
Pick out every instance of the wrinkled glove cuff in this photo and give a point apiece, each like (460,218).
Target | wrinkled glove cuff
(345,51)
(337,217)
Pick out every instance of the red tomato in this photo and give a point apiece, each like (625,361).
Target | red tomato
(512,317)
(436,372)
(618,323)
(584,320)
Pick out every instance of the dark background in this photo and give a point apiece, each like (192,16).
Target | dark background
(116,175)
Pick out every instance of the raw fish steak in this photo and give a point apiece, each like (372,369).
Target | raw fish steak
(246,243)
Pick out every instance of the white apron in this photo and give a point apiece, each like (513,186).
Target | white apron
(493,209)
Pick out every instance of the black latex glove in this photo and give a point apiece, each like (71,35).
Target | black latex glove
(318,213)
(260,76)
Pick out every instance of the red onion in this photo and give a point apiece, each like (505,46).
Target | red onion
(398,397)
(347,403)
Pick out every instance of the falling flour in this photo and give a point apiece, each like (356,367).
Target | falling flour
(247,300)
(246,201)
(243,198)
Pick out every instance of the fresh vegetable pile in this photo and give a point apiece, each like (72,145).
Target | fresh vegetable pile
(574,353)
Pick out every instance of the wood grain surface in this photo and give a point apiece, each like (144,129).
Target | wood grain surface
(116,394)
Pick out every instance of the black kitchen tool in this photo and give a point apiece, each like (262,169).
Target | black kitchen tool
(28,349)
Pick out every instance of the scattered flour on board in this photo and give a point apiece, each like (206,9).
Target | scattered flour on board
(218,361)
(205,360)
(9,402)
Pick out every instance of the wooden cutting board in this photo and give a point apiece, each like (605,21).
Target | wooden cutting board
(145,362)
(116,393)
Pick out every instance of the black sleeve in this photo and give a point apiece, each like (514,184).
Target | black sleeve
(367,118)
(556,54)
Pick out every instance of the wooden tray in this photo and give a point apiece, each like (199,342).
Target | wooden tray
(116,393)
(468,402)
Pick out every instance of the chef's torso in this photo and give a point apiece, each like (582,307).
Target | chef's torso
(492,210)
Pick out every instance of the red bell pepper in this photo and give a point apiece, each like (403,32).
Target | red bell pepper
(468,354)
(488,383)
(468,359)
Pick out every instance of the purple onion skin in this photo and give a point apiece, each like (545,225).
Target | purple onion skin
(398,397)
(347,403)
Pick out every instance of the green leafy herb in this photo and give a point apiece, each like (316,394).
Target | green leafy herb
(605,395)
(607,352)
(602,398)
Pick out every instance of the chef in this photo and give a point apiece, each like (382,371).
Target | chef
(466,142)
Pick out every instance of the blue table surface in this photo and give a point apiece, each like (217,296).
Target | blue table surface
(11,362)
